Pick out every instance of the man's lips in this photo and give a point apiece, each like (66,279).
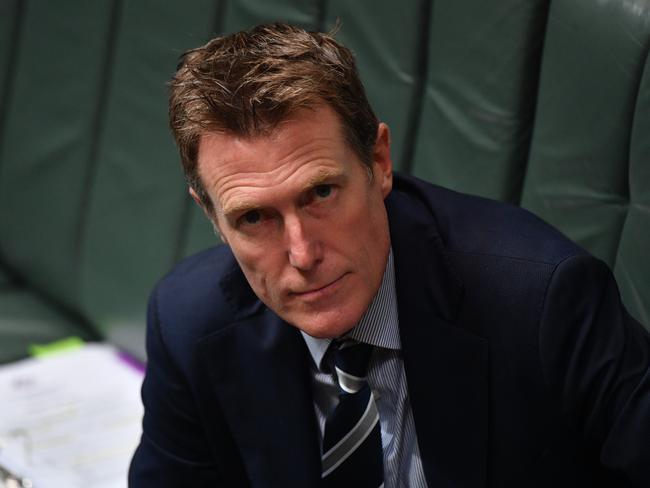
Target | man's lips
(320,290)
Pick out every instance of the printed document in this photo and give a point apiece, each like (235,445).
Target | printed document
(72,419)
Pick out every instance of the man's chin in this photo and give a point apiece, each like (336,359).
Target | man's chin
(325,329)
(328,322)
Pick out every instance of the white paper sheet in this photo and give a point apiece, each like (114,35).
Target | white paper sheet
(72,419)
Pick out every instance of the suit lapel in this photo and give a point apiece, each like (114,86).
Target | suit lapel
(260,373)
(446,366)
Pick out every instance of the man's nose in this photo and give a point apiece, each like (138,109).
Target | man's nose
(303,246)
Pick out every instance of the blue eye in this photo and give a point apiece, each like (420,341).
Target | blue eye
(252,217)
(323,191)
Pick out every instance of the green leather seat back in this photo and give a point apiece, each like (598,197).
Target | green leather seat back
(137,206)
(480,95)
(48,138)
(589,167)
(27,318)
(389,52)
(47,109)
(92,203)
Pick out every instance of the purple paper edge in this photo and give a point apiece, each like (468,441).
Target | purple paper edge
(131,361)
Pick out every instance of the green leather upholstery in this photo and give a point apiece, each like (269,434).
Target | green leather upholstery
(28,319)
(589,166)
(540,103)
(388,58)
(480,95)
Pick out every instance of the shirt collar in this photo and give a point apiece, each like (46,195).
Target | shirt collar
(379,325)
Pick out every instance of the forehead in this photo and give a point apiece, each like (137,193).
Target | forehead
(305,147)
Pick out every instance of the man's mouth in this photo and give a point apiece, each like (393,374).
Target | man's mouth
(320,291)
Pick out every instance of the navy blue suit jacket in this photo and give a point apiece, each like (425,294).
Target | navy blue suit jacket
(523,367)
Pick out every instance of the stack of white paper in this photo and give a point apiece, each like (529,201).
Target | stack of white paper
(71,419)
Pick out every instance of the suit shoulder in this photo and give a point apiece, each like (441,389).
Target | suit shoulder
(475,225)
(210,263)
(200,295)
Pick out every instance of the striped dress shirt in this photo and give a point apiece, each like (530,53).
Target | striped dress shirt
(379,327)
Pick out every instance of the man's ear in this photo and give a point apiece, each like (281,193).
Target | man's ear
(382,162)
(208,213)
(196,198)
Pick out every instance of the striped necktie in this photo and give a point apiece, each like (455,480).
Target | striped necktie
(352,452)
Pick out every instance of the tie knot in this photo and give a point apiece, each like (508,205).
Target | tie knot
(351,361)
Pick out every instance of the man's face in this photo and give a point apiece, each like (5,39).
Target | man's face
(303,217)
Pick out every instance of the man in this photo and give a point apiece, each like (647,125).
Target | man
(497,353)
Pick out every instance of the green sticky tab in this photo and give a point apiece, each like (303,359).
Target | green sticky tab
(64,345)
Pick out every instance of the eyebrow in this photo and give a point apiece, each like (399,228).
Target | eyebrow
(321,177)
(237,208)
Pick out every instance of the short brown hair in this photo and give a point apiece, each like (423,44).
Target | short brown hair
(247,83)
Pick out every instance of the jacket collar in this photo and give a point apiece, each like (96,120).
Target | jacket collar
(445,365)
